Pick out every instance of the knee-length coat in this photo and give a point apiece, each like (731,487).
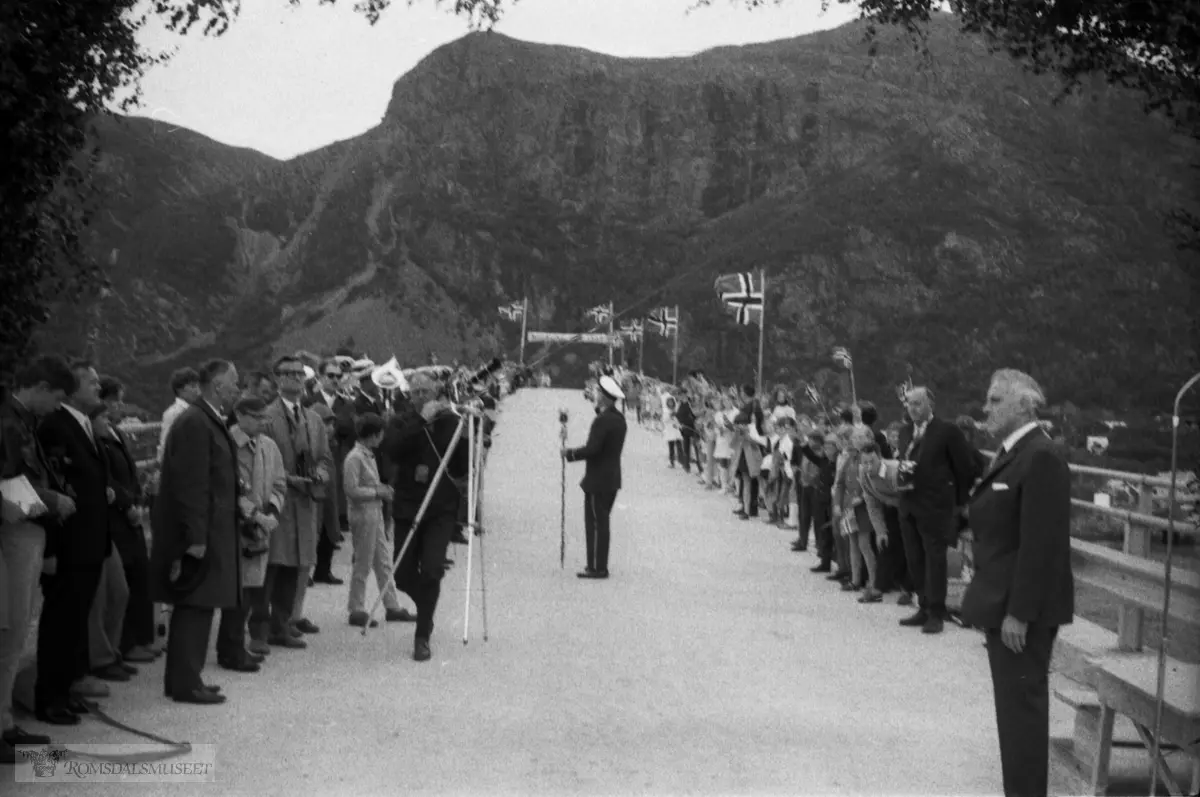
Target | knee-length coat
(197,505)
(294,543)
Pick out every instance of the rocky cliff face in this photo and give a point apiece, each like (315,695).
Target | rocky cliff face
(942,214)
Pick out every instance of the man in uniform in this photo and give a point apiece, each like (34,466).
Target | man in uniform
(602,479)
(1023,589)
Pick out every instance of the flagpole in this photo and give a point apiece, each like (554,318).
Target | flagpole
(675,357)
(611,321)
(762,334)
(524,316)
(853,392)
(642,352)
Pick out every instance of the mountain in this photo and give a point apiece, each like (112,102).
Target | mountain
(937,212)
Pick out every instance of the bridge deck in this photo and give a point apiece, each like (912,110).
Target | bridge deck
(711,662)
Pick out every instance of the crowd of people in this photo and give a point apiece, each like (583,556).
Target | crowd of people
(259,478)
(877,523)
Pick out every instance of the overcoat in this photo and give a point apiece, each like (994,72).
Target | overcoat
(294,543)
(197,505)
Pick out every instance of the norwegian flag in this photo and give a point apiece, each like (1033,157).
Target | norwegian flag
(632,329)
(665,320)
(741,295)
(841,356)
(601,313)
(513,311)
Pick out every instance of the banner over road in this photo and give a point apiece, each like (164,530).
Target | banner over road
(566,337)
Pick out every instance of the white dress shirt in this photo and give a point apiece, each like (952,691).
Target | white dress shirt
(1016,436)
(83,421)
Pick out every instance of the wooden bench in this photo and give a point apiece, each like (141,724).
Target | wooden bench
(1126,685)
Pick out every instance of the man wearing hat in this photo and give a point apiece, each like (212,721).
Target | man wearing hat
(602,479)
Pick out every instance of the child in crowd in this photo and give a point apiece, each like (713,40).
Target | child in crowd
(365,494)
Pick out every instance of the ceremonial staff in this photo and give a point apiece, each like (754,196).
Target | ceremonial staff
(562,523)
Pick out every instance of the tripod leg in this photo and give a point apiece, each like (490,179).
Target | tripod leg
(470,522)
(483,588)
(467,598)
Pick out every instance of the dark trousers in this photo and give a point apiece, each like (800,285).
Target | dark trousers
(748,482)
(1022,687)
(419,572)
(597,507)
(926,539)
(271,605)
(822,530)
(685,450)
(891,569)
(325,549)
(805,499)
(673,451)
(62,643)
(187,648)
(231,631)
(139,612)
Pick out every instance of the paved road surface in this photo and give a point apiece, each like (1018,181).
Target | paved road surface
(712,662)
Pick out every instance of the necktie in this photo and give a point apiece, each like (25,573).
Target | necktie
(296,413)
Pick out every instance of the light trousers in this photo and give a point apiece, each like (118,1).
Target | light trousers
(106,621)
(21,545)
(861,551)
(372,539)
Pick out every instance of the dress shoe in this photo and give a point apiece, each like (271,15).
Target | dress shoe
(328,578)
(306,626)
(458,538)
(245,665)
(824,567)
(400,616)
(906,599)
(421,651)
(140,654)
(259,647)
(18,736)
(848,587)
(871,596)
(835,577)
(932,625)
(201,697)
(57,715)
(286,641)
(205,687)
(915,620)
(254,657)
(111,672)
(129,668)
(359,620)
(597,575)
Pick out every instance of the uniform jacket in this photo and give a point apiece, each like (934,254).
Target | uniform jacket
(945,469)
(419,446)
(197,505)
(83,468)
(1021,518)
(602,453)
(398,462)
(294,543)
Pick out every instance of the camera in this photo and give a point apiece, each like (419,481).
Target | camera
(906,473)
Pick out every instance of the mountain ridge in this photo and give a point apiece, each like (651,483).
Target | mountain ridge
(894,200)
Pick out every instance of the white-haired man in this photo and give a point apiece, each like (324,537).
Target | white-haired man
(1023,589)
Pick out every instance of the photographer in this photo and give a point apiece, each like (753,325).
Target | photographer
(301,439)
(416,450)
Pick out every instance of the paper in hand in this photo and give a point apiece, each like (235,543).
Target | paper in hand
(19,493)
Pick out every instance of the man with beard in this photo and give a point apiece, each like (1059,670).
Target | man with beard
(414,451)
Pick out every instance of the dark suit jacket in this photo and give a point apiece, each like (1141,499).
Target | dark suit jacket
(1021,518)
(602,452)
(123,477)
(414,446)
(364,404)
(686,418)
(398,460)
(197,505)
(945,469)
(83,540)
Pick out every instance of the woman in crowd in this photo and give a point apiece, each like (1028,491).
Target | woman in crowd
(851,518)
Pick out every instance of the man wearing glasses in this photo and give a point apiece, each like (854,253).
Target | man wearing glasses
(300,436)
(329,393)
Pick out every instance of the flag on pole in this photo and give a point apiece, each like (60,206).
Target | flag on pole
(601,313)
(742,294)
(665,320)
(841,356)
(632,329)
(513,311)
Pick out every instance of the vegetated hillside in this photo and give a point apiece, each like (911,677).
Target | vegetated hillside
(942,214)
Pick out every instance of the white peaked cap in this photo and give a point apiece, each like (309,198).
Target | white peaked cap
(362,368)
(610,386)
(309,373)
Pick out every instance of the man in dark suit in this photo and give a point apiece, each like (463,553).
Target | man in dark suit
(341,441)
(1023,589)
(75,554)
(942,472)
(196,560)
(602,477)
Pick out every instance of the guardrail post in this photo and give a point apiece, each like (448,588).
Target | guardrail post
(1131,620)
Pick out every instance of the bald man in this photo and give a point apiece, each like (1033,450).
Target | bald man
(1023,589)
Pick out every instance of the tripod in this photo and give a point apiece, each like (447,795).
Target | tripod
(470,423)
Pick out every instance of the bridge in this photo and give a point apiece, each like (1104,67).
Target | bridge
(711,662)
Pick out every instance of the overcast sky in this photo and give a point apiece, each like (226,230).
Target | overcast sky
(285,81)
